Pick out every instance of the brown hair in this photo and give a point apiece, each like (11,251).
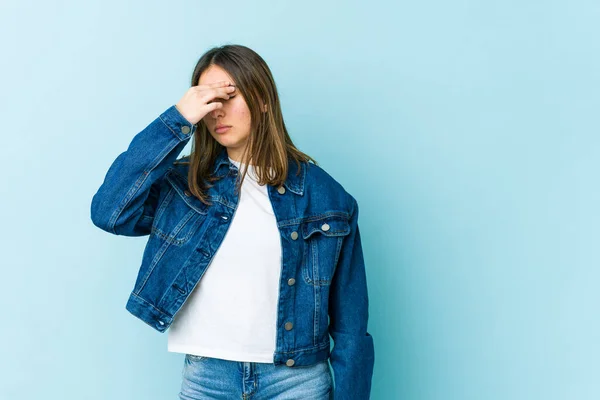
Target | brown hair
(269,145)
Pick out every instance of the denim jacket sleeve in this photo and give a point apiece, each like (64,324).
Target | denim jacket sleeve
(352,358)
(127,199)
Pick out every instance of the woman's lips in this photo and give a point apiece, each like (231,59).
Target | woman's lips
(223,129)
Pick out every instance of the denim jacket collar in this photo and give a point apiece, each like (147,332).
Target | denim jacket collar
(294,182)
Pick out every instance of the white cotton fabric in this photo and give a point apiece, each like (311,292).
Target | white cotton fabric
(232,312)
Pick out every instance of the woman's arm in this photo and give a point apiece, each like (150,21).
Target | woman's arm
(352,358)
(127,199)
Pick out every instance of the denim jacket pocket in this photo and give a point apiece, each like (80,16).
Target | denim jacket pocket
(323,240)
(179,214)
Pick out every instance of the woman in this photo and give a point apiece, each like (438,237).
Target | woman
(280,235)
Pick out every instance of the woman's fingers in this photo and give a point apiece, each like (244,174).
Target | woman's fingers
(199,100)
(213,85)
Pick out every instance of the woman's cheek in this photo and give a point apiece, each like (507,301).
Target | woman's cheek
(241,111)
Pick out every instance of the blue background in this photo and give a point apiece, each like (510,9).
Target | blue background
(467,131)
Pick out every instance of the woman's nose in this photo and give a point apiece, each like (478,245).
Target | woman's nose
(217,112)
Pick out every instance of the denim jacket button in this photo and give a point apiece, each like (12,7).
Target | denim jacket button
(187,193)
(291,281)
(289,362)
(281,190)
(288,326)
(325,227)
(185,129)
(294,235)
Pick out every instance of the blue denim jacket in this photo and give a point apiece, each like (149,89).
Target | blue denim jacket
(323,288)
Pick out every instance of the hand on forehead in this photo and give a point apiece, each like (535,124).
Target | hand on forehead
(219,83)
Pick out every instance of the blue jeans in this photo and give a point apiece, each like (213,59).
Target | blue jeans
(214,378)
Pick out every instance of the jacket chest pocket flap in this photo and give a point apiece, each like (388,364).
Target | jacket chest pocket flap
(179,214)
(323,239)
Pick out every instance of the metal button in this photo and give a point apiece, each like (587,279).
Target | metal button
(289,362)
(291,281)
(185,129)
(187,193)
(294,235)
(281,190)
(160,322)
(325,227)
(288,326)
(225,217)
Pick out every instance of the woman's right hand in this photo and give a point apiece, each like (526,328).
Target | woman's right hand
(194,104)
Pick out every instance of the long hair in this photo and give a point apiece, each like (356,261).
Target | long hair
(269,146)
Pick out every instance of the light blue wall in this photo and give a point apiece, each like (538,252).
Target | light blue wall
(468,132)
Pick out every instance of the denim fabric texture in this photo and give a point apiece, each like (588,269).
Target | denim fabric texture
(323,287)
(217,379)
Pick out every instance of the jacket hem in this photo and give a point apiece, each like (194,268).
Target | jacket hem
(303,357)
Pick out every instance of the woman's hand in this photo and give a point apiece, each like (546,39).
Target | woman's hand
(195,103)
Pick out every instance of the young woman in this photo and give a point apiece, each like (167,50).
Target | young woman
(254,255)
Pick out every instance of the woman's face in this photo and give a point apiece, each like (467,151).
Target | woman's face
(234,113)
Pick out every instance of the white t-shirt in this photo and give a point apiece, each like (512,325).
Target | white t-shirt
(232,312)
